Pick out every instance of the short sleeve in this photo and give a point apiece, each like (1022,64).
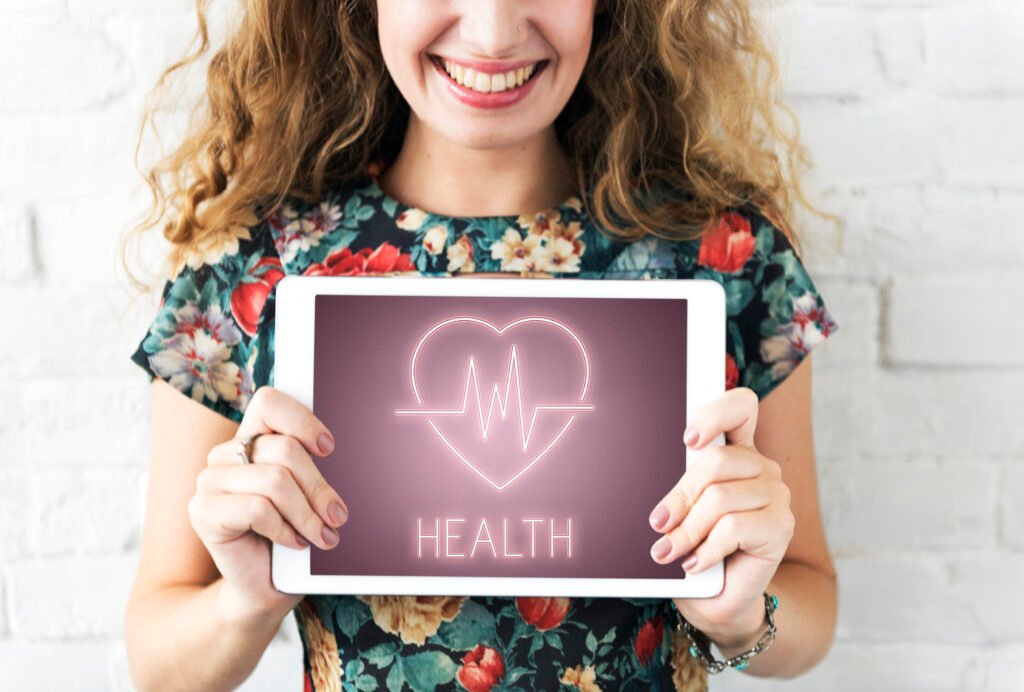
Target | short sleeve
(212,335)
(775,315)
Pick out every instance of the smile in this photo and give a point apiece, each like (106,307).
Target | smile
(487,90)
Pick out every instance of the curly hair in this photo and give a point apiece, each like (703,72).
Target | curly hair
(676,117)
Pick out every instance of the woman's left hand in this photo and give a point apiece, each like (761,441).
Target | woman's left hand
(731,504)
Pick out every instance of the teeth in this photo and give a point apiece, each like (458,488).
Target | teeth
(486,83)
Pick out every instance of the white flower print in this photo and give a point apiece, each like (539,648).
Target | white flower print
(538,224)
(189,320)
(562,256)
(410,219)
(285,219)
(197,358)
(518,253)
(289,236)
(460,255)
(808,327)
(302,241)
(435,238)
(323,218)
(198,365)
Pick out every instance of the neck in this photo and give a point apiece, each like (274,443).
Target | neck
(442,177)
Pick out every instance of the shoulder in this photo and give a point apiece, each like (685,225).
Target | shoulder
(209,338)
(775,313)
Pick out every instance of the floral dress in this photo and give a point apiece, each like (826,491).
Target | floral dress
(213,339)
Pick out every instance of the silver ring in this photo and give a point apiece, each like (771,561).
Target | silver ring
(244,447)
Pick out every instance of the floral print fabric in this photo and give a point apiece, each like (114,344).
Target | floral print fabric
(212,339)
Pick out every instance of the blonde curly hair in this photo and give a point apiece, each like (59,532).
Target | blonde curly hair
(676,117)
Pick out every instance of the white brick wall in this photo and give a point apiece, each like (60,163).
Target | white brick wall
(912,110)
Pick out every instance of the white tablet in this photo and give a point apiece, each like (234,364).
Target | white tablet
(498,437)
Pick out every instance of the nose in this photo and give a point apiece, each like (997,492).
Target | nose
(490,25)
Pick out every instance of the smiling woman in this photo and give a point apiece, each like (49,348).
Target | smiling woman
(354,138)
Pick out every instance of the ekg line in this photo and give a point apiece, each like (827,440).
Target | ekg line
(472,383)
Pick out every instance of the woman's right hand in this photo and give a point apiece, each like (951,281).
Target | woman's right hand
(238,509)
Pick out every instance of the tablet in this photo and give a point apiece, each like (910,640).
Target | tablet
(498,437)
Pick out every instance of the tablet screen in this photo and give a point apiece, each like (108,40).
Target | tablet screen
(500,436)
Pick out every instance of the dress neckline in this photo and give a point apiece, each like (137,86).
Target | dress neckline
(571,207)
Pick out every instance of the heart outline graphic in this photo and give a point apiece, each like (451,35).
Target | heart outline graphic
(498,331)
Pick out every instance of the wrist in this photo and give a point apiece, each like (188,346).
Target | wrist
(237,611)
(743,633)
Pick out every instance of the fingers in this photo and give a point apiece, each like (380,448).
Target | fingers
(734,414)
(286,452)
(718,501)
(713,465)
(272,411)
(756,533)
(223,517)
(278,486)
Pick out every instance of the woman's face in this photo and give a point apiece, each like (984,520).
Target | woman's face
(481,37)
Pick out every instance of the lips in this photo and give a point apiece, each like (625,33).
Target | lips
(540,65)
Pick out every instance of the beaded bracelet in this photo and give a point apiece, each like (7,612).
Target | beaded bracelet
(701,646)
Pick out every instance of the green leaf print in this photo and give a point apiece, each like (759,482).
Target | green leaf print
(737,344)
(765,240)
(355,679)
(553,639)
(425,671)
(209,296)
(738,294)
(474,625)
(366,683)
(382,654)
(183,289)
(396,680)
(351,615)
(352,207)
(341,238)
(777,298)
(514,674)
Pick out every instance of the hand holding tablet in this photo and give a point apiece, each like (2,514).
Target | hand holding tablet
(498,438)
(271,492)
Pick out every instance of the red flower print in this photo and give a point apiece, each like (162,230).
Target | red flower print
(385,258)
(248,298)
(729,246)
(542,613)
(648,639)
(307,684)
(481,669)
(732,373)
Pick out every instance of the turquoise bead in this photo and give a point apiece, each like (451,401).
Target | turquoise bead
(741,666)
(775,601)
(693,651)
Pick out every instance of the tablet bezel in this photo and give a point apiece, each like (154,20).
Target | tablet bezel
(293,374)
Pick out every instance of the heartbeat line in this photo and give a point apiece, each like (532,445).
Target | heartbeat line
(472,384)
(512,380)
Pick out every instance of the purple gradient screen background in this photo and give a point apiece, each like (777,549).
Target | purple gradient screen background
(606,472)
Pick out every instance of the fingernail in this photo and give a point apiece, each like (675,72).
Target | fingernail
(691,435)
(326,443)
(337,513)
(659,516)
(662,548)
(690,562)
(330,536)
(302,542)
